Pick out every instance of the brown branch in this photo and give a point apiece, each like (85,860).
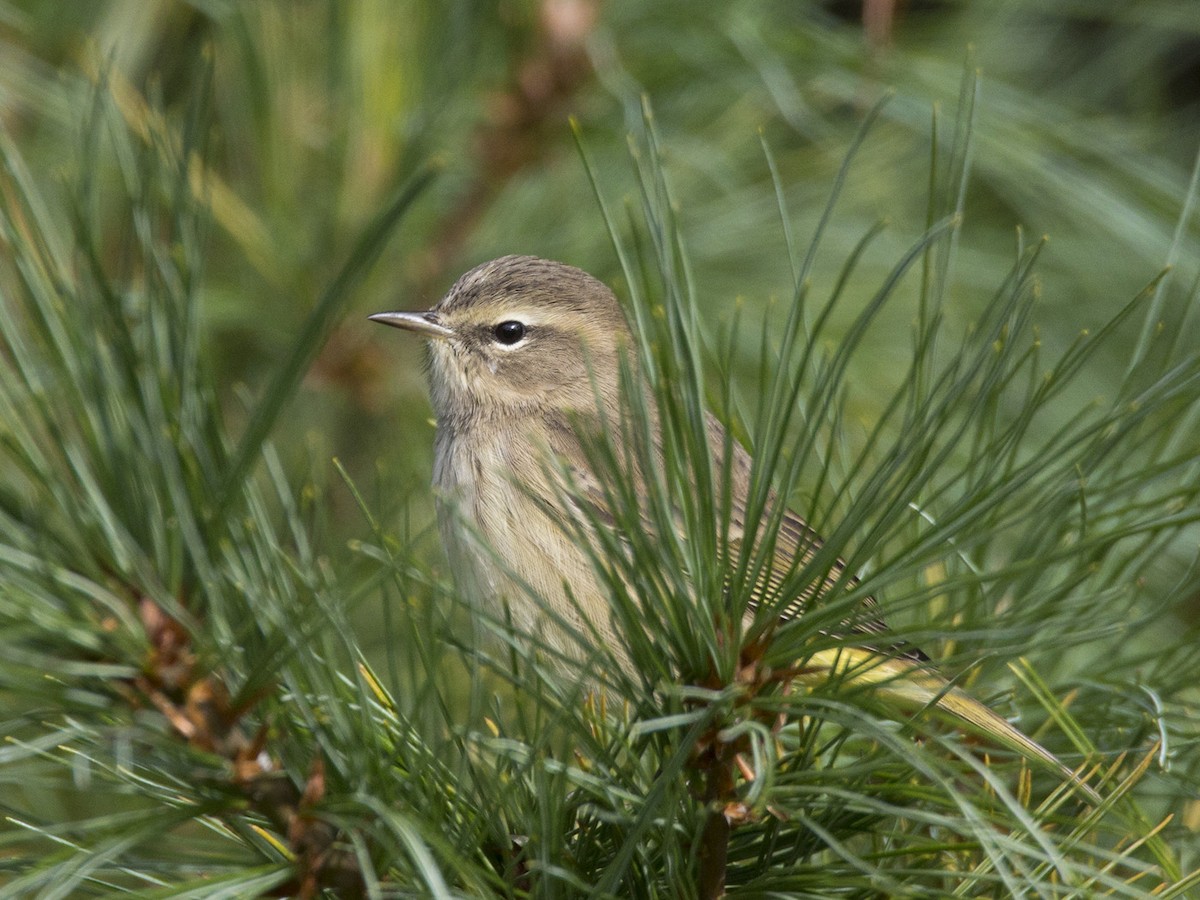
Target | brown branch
(714,839)
(720,762)
(879,18)
(512,135)
(197,706)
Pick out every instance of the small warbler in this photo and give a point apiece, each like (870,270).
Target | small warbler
(522,351)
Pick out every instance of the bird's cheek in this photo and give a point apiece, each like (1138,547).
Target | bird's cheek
(448,378)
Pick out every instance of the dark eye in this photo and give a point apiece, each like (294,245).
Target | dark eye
(509,332)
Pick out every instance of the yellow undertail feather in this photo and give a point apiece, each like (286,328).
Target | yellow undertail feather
(911,684)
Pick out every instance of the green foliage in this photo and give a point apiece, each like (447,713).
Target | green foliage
(229,667)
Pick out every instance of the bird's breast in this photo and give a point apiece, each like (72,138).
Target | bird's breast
(506,551)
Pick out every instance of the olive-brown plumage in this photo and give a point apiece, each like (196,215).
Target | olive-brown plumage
(524,352)
(517,358)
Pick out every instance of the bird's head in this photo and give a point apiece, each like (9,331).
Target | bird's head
(520,337)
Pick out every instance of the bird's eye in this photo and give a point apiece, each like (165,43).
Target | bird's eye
(509,332)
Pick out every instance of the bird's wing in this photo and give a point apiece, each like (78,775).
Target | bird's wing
(870,657)
(796,544)
(896,671)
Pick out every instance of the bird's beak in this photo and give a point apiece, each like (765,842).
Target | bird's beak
(425,324)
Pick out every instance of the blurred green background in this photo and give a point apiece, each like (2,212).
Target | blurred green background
(1085,127)
(313,113)
(1086,124)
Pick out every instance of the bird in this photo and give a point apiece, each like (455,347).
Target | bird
(525,358)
